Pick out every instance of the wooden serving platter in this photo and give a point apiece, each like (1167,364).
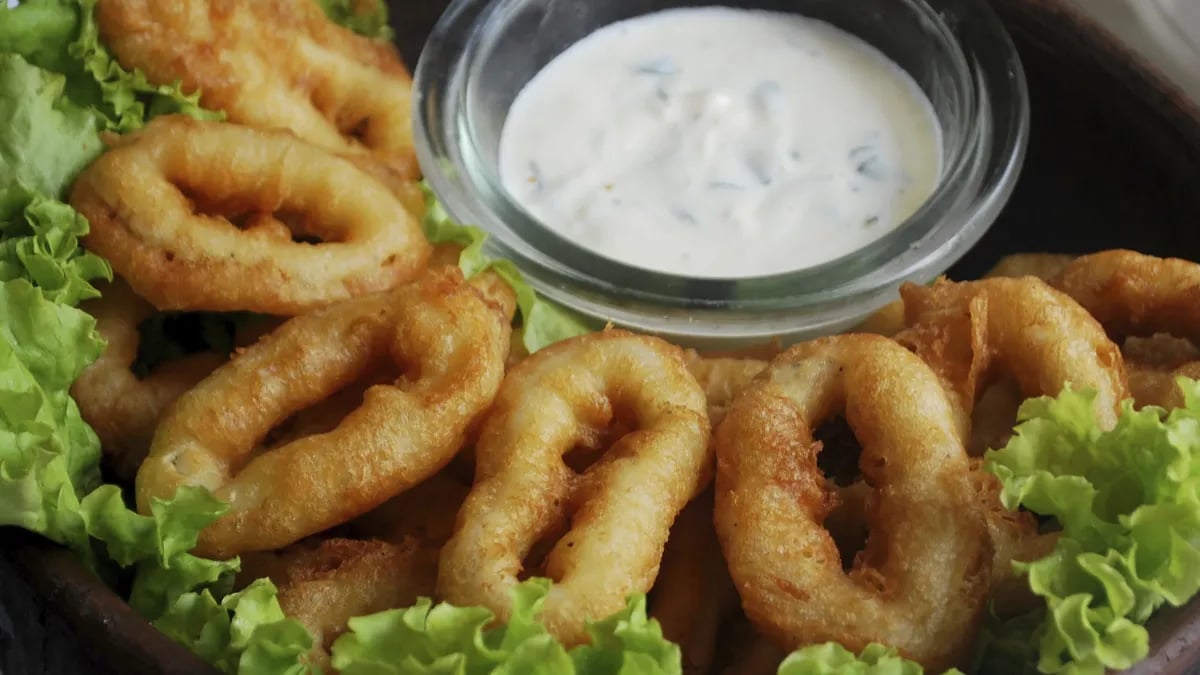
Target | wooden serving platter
(1113,161)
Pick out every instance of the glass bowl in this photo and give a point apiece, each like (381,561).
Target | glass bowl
(483,52)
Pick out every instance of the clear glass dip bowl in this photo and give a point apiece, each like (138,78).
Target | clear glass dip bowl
(482,52)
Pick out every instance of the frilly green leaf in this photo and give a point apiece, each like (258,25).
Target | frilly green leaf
(442,639)
(542,322)
(245,633)
(831,658)
(1127,502)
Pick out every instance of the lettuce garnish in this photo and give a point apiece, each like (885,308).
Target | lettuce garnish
(61,36)
(435,639)
(832,658)
(245,632)
(1128,503)
(542,322)
(59,89)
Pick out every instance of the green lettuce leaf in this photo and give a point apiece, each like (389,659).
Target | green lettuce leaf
(831,658)
(442,639)
(45,139)
(365,17)
(542,322)
(1128,502)
(48,456)
(245,632)
(62,36)
(40,31)
(41,245)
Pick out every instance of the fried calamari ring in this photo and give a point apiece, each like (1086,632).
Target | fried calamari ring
(1154,387)
(1044,266)
(562,398)
(489,283)
(123,408)
(889,319)
(1014,535)
(325,585)
(282,65)
(163,201)
(973,332)
(1134,295)
(693,592)
(448,342)
(926,528)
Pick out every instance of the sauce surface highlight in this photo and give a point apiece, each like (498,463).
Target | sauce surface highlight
(720,142)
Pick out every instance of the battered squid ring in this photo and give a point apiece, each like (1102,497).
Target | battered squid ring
(560,398)
(283,65)
(326,585)
(141,198)
(971,331)
(1134,295)
(448,341)
(926,529)
(123,408)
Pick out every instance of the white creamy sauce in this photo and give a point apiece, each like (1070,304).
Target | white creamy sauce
(720,142)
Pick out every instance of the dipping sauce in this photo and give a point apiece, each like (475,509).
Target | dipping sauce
(721,142)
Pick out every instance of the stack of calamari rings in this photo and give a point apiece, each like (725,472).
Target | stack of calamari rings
(377,438)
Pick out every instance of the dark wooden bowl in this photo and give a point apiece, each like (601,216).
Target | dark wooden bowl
(1114,161)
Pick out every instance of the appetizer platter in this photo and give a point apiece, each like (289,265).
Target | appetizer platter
(328,355)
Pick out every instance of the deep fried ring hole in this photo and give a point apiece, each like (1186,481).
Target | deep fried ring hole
(973,334)
(588,450)
(283,223)
(324,416)
(540,485)
(773,504)
(447,345)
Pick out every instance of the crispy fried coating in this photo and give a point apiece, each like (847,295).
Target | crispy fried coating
(693,592)
(1159,387)
(889,319)
(973,332)
(528,486)
(1149,304)
(447,341)
(1014,535)
(1153,364)
(1015,538)
(490,284)
(273,64)
(1132,293)
(921,581)
(325,584)
(123,408)
(205,216)
(1044,266)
